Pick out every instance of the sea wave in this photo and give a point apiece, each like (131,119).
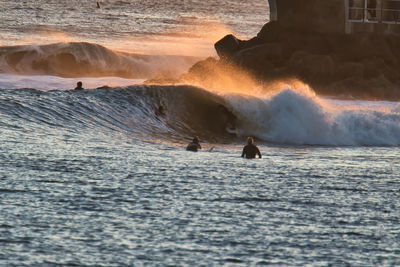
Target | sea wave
(286,117)
(81,59)
(290,117)
(187,111)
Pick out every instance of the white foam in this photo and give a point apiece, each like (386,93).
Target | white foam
(290,117)
(45,82)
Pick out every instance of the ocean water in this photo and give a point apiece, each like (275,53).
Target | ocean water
(146,27)
(98,178)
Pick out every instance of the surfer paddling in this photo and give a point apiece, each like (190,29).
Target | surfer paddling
(194,145)
(251,150)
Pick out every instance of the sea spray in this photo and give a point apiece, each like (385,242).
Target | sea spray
(291,117)
(79,59)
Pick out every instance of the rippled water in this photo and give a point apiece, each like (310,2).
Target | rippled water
(173,27)
(95,178)
(90,199)
(84,191)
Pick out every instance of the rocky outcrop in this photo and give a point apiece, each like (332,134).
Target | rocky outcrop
(334,64)
(230,45)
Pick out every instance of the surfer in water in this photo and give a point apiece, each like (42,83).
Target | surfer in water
(251,150)
(194,145)
(78,86)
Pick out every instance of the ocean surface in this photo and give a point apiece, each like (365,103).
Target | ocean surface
(98,177)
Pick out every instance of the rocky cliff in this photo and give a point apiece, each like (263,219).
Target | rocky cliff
(363,66)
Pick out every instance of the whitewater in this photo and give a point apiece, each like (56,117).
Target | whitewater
(98,177)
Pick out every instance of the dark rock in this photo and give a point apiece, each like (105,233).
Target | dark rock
(253,62)
(272,32)
(376,88)
(255,41)
(312,43)
(264,59)
(363,65)
(268,51)
(390,74)
(373,67)
(312,67)
(227,46)
(349,70)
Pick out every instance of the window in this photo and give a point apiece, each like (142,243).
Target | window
(374,11)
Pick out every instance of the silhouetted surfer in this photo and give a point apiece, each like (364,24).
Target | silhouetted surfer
(98,4)
(78,86)
(251,150)
(194,145)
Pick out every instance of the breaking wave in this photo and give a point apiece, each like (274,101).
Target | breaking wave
(80,59)
(290,117)
(286,117)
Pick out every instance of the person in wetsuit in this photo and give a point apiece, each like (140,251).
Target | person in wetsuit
(251,150)
(79,86)
(194,145)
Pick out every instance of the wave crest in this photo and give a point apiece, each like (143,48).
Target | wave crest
(290,117)
(287,117)
(80,59)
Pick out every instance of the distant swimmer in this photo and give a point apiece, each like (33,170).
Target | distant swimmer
(79,86)
(194,145)
(251,150)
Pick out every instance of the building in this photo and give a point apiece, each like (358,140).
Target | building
(338,16)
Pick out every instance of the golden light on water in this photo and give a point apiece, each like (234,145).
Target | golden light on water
(46,36)
(195,40)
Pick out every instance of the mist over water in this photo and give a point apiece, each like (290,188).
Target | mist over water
(100,177)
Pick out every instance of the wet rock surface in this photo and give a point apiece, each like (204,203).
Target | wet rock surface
(334,64)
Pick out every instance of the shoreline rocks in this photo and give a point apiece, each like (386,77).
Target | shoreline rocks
(365,66)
